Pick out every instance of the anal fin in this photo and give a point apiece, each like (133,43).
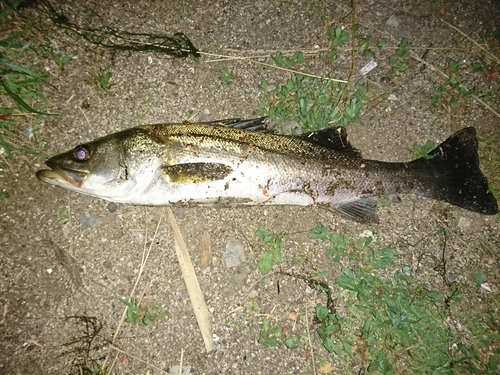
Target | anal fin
(362,210)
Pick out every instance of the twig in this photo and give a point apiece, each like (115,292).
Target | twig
(473,41)
(353,53)
(4,315)
(432,67)
(72,238)
(456,235)
(145,256)
(248,294)
(84,115)
(136,358)
(310,343)
(189,275)
(263,53)
(180,364)
(270,66)
(7,163)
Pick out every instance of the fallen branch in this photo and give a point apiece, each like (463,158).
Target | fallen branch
(197,300)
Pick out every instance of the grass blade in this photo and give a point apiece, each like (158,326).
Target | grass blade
(20,102)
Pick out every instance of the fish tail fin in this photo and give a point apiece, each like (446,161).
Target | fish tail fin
(455,174)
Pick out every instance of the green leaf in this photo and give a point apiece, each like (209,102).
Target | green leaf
(329,344)
(319,232)
(493,363)
(269,341)
(367,325)
(382,42)
(435,295)
(346,282)
(292,342)
(373,366)
(480,277)
(363,242)
(264,234)
(454,66)
(331,329)
(265,264)
(19,101)
(21,69)
(403,48)
(384,257)
(321,312)
(423,151)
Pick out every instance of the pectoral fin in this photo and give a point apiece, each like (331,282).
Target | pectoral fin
(196,173)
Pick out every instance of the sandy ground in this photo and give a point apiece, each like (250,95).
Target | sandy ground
(67,255)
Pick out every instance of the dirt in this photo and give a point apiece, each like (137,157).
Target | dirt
(67,255)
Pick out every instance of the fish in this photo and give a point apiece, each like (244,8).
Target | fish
(239,162)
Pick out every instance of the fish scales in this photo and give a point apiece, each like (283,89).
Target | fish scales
(222,142)
(287,159)
(209,163)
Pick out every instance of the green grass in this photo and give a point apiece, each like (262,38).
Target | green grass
(22,83)
(399,61)
(85,348)
(101,80)
(390,323)
(274,335)
(272,256)
(226,76)
(449,92)
(137,312)
(314,103)
(423,151)
(295,60)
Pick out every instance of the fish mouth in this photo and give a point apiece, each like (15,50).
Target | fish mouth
(61,176)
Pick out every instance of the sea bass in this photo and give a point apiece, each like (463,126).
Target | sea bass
(220,164)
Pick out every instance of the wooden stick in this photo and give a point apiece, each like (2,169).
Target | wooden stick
(197,300)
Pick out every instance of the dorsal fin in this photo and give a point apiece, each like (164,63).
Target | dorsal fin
(333,138)
(256,124)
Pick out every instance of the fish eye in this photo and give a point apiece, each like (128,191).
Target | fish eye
(82,153)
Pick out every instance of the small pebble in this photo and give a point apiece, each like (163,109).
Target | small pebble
(393,21)
(112,207)
(291,127)
(372,64)
(402,34)
(28,132)
(366,233)
(87,220)
(137,236)
(240,275)
(487,287)
(234,254)
(451,277)
(464,223)
(174,370)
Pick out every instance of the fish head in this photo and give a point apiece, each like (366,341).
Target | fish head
(118,167)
